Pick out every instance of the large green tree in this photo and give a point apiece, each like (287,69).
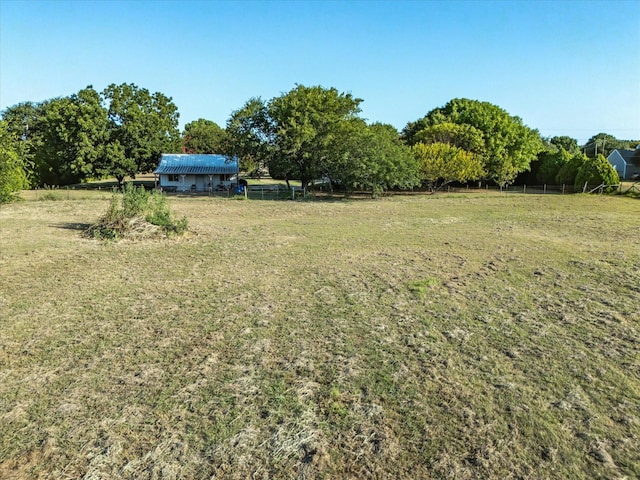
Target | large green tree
(203,136)
(370,158)
(248,137)
(304,126)
(13,176)
(508,147)
(145,125)
(73,132)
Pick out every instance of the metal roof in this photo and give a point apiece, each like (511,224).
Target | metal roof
(630,156)
(188,164)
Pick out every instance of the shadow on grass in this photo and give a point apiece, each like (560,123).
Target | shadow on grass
(76,226)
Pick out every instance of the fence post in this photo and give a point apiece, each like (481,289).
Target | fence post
(563,188)
(524,189)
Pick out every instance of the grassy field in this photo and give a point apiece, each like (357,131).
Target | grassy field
(485,336)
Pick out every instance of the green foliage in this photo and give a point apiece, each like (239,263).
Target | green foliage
(22,123)
(313,132)
(550,164)
(596,171)
(303,127)
(565,142)
(604,143)
(445,163)
(370,158)
(12,173)
(71,139)
(463,136)
(567,173)
(508,146)
(70,134)
(116,163)
(420,288)
(144,124)
(134,204)
(203,136)
(247,136)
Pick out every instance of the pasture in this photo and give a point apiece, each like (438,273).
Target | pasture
(464,336)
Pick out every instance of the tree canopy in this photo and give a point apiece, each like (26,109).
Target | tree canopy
(304,134)
(119,132)
(249,136)
(145,125)
(313,132)
(203,136)
(508,146)
(304,126)
(603,143)
(12,171)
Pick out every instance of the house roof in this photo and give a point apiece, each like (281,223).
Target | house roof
(630,156)
(188,164)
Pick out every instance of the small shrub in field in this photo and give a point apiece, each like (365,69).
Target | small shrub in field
(137,212)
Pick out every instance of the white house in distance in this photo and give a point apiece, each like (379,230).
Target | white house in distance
(626,162)
(196,172)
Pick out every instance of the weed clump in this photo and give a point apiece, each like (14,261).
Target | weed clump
(137,213)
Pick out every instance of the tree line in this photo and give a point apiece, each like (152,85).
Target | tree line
(306,134)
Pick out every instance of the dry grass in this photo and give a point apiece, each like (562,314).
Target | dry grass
(471,336)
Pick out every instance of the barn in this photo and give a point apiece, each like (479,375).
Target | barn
(196,172)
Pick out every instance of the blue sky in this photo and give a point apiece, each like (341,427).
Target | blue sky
(566,68)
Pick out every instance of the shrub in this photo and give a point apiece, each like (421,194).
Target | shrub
(137,212)
(596,171)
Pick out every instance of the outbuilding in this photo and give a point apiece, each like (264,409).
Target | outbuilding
(196,172)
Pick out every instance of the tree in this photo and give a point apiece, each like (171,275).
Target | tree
(567,173)
(371,158)
(248,136)
(73,131)
(303,126)
(604,144)
(442,163)
(508,146)
(23,123)
(203,136)
(13,177)
(568,143)
(144,124)
(596,171)
(550,164)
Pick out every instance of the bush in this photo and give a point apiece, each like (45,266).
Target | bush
(596,171)
(138,213)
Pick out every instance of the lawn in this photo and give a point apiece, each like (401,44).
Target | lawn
(460,336)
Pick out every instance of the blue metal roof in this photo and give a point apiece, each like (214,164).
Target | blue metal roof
(187,164)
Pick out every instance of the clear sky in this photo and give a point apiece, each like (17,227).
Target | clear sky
(565,67)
